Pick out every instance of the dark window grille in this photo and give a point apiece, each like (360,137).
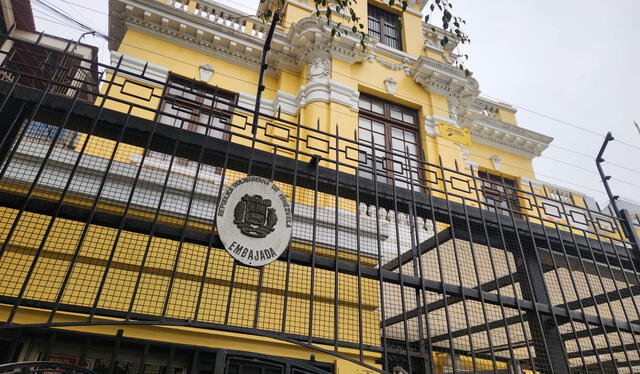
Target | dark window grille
(500,193)
(195,107)
(69,75)
(389,131)
(384,27)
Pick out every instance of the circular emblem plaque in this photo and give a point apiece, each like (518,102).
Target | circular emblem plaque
(254,221)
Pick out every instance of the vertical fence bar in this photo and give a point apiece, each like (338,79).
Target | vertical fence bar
(421,293)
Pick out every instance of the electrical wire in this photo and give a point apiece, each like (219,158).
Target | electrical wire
(441,145)
(74,9)
(350,115)
(83,7)
(71,19)
(568,124)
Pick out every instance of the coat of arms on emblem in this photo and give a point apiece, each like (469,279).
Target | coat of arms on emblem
(254,216)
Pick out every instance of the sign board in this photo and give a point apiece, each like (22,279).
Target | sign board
(254,221)
(456,134)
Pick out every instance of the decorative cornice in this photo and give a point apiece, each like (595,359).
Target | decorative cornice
(225,37)
(323,90)
(510,138)
(433,35)
(446,80)
(492,106)
(216,33)
(131,66)
(311,37)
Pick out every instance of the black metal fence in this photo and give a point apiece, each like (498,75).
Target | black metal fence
(108,219)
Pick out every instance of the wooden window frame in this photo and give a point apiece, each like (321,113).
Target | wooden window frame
(383,18)
(199,91)
(497,181)
(390,123)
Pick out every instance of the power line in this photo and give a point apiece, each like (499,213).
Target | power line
(71,19)
(350,115)
(83,7)
(566,123)
(441,145)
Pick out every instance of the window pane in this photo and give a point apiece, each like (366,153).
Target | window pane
(378,127)
(408,118)
(364,103)
(398,145)
(379,140)
(396,113)
(365,136)
(410,136)
(377,107)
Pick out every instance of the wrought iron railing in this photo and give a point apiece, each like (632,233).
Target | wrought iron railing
(426,277)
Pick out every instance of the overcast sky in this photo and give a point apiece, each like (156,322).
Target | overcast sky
(565,65)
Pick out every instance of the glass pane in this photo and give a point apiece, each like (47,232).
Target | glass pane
(224,105)
(396,133)
(378,127)
(398,145)
(377,107)
(410,137)
(408,118)
(365,123)
(365,103)
(396,113)
(398,165)
(363,158)
(378,139)
(188,95)
(413,149)
(365,136)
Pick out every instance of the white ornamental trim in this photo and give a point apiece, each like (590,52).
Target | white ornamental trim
(323,90)
(510,138)
(131,66)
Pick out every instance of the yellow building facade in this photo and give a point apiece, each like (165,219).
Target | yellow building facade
(399,110)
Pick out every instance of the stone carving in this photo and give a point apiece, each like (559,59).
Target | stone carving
(319,68)
(497,162)
(453,112)
(206,72)
(391,85)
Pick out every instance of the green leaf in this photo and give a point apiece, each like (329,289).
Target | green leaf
(444,41)
(426,18)
(391,2)
(405,4)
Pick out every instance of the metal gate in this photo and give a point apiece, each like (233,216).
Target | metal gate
(108,219)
